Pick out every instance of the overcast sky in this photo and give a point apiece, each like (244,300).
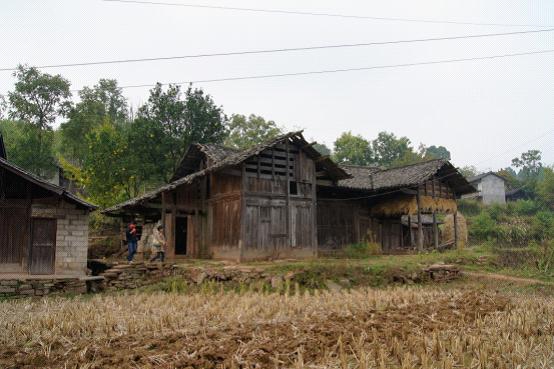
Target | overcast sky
(485,112)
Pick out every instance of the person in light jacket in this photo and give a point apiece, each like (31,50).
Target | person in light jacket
(158,244)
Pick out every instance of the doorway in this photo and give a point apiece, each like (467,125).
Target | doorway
(43,246)
(181,230)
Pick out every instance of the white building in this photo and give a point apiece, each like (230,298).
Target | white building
(491,188)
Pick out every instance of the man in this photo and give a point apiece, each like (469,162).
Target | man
(131,235)
(158,243)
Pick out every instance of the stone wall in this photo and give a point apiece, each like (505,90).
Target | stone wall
(18,288)
(129,276)
(71,236)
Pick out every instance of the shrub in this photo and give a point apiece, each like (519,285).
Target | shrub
(470,207)
(361,250)
(542,226)
(482,227)
(523,207)
(515,231)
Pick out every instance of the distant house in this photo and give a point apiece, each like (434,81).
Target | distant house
(43,227)
(491,188)
(283,199)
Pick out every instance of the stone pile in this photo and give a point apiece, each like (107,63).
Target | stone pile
(17,288)
(129,276)
(443,272)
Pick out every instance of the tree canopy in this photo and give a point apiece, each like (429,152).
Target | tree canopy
(248,131)
(352,149)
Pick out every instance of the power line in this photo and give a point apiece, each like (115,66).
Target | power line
(294,49)
(331,15)
(389,66)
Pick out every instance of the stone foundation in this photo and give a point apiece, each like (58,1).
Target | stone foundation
(18,288)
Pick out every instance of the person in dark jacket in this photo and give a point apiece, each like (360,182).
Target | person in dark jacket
(132,239)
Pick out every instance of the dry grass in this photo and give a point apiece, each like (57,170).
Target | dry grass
(396,328)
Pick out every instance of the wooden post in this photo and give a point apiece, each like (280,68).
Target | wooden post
(287,191)
(435,230)
(242,238)
(419,222)
(410,230)
(401,233)
(456,230)
(314,213)
(163,213)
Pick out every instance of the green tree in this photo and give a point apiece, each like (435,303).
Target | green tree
(352,149)
(245,132)
(389,149)
(39,97)
(468,171)
(178,119)
(106,175)
(322,149)
(437,152)
(510,176)
(29,147)
(545,188)
(530,166)
(104,100)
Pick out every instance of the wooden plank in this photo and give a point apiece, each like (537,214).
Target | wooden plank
(287,191)
(419,222)
(43,248)
(435,230)
(243,217)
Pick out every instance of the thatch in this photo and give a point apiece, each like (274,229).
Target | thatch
(448,230)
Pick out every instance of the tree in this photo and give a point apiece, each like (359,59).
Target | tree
(322,149)
(28,147)
(468,171)
(530,167)
(3,107)
(389,149)
(545,188)
(510,176)
(104,100)
(245,132)
(106,175)
(39,97)
(352,149)
(178,121)
(437,152)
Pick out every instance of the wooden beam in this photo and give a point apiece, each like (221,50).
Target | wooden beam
(435,230)
(287,191)
(411,233)
(406,191)
(456,230)
(242,238)
(419,222)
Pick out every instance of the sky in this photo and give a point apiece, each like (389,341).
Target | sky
(485,112)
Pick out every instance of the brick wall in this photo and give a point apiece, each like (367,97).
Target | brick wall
(71,236)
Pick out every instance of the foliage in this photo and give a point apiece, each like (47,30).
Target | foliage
(389,149)
(545,188)
(482,227)
(323,149)
(28,148)
(468,171)
(180,119)
(104,100)
(39,97)
(106,175)
(248,131)
(362,250)
(543,226)
(470,207)
(437,152)
(510,175)
(529,162)
(352,149)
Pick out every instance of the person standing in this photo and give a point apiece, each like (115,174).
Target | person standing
(158,243)
(132,238)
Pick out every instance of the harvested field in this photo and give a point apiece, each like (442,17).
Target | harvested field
(392,328)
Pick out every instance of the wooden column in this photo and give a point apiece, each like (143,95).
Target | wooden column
(410,230)
(419,222)
(314,213)
(287,191)
(163,213)
(456,230)
(435,230)
(401,233)
(242,238)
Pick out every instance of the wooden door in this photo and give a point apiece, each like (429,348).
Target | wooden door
(43,246)
(14,238)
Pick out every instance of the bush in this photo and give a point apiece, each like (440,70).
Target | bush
(482,227)
(470,207)
(515,231)
(542,226)
(523,207)
(362,250)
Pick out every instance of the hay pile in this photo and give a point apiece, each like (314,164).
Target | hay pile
(448,230)
(402,205)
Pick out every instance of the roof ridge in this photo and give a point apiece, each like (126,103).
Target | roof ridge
(418,163)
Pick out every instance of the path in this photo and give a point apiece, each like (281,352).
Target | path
(508,278)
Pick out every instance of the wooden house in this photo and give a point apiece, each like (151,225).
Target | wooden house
(283,199)
(43,228)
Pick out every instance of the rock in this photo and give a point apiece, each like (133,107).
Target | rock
(332,286)
(201,277)
(277,282)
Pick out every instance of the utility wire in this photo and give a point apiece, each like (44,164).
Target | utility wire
(295,49)
(388,66)
(330,15)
